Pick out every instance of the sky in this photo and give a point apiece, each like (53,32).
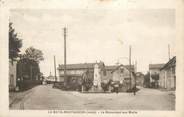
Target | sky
(94,35)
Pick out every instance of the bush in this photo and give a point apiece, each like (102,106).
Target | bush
(87,80)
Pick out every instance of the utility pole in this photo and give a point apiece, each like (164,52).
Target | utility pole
(135,72)
(130,66)
(64,29)
(55,68)
(169,59)
(169,51)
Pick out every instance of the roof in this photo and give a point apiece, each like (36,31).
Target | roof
(82,65)
(91,66)
(156,66)
(171,62)
(112,67)
(126,66)
(77,66)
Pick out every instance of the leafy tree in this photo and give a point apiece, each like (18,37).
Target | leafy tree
(34,54)
(27,69)
(28,65)
(14,43)
(87,80)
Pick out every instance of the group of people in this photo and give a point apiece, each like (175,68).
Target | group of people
(116,87)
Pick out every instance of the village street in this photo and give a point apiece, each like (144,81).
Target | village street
(45,97)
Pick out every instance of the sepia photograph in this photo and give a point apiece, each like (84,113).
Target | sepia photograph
(92,59)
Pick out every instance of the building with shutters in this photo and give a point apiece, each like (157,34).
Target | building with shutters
(125,76)
(168,75)
(154,70)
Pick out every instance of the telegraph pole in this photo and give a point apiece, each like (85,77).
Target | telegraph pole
(169,59)
(130,66)
(64,29)
(55,68)
(135,72)
(169,51)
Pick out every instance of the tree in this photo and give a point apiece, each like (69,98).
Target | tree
(14,43)
(34,54)
(28,73)
(87,80)
(27,69)
(28,65)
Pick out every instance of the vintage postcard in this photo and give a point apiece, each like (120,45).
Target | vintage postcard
(93,57)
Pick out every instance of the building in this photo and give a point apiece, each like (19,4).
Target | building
(139,79)
(167,75)
(154,70)
(98,73)
(107,74)
(75,74)
(125,76)
(75,70)
(12,75)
